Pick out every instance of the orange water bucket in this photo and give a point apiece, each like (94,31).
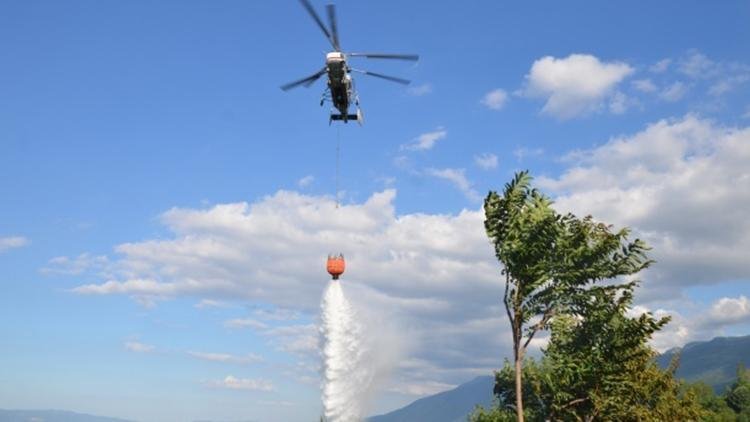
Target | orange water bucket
(336,265)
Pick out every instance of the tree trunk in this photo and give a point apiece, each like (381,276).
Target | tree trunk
(519,386)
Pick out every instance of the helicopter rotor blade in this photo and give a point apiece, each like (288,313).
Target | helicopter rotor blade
(386,77)
(316,18)
(306,81)
(331,9)
(412,57)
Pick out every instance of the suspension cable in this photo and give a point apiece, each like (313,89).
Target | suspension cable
(338,159)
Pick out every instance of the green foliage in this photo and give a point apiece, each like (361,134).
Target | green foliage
(738,395)
(551,262)
(598,366)
(495,414)
(715,408)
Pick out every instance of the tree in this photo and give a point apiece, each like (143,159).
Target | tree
(715,408)
(550,261)
(598,366)
(738,395)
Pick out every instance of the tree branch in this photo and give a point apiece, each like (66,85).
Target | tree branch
(505,298)
(548,314)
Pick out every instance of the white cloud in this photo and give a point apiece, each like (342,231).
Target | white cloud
(661,66)
(226,357)
(426,141)
(78,265)
(11,242)
(277,314)
(486,161)
(644,85)
(435,274)
(137,347)
(423,388)
(210,303)
(420,90)
(727,311)
(245,323)
(457,177)
(295,339)
(683,185)
(696,65)
(306,181)
(700,323)
(573,86)
(729,83)
(233,383)
(495,99)
(674,92)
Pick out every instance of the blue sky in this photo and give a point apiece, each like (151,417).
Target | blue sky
(166,207)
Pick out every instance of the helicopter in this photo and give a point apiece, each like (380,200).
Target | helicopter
(340,90)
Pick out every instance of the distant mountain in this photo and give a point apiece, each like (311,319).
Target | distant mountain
(51,416)
(448,406)
(714,362)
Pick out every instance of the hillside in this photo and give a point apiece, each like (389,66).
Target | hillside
(448,406)
(714,361)
(51,416)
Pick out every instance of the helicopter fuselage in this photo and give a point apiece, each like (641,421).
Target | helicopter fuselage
(340,85)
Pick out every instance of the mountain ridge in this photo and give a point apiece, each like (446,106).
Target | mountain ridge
(714,362)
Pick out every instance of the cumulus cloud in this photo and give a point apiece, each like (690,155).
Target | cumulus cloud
(700,324)
(426,140)
(728,311)
(226,357)
(232,383)
(495,99)
(435,274)
(457,177)
(12,242)
(138,347)
(683,185)
(420,90)
(486,161)
(575,85)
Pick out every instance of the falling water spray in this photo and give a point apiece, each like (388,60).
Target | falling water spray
(347,376)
